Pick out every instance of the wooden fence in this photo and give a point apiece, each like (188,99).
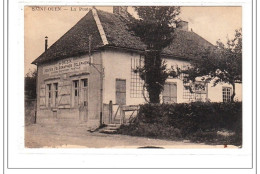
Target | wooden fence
(119,114)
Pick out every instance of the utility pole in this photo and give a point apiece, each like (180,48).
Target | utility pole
(89,49)
(101,72)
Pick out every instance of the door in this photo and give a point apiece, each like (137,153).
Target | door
(84,100)
(170,92)
(76,93)
(121,91)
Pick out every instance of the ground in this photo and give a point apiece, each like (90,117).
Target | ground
(53,135)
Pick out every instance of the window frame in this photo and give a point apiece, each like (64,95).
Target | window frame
(120,91)
(196,91)
(136,83)
(56,89)
(76,88)
(49,88)
(226,95)
(170,96)
(85,86)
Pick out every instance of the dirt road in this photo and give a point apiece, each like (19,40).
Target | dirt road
(77,136)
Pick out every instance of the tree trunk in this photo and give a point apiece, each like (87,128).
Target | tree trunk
(234,91)
(154,96)
(154,75)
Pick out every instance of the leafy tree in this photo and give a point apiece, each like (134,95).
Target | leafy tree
(224,64)
(30,85)
(155,28)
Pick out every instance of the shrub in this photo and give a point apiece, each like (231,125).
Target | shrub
(197,119)
(190,117)
(29,115)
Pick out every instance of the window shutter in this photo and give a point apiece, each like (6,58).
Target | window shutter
(166,91)
(120,91)
(64,93)
(173,90)
(42,95)
(170,93)
(60,85)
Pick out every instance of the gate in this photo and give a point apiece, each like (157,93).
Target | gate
(119,114)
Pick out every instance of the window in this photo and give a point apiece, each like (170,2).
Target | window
(226,93)
(56,90)
(75,93)
(85,82)
(55,94)
(49,90)
(49,95)
(136,85)
(120,91)
(76,87)
(198,91)
(52,94)
(85,91)
(170,93)
(187,94)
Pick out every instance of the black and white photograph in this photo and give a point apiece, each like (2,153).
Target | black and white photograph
(133,77)
(101,86)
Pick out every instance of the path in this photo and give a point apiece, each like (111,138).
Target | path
(77,136)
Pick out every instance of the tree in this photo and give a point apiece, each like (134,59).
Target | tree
(30,84)
(155,28)
(224,64)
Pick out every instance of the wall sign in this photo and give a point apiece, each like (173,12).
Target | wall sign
(67,66)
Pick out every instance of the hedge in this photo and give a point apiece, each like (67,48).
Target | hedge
(186,119)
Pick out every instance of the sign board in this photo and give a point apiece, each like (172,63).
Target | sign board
(67,66)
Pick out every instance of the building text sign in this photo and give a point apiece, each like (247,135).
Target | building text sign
(67,66)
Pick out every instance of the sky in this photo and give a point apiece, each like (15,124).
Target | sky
(212,23)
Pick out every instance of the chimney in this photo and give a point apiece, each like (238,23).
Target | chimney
(182,25)
(120,10)
(46,43)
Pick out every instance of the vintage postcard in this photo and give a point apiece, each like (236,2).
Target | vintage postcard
(133,77)
(129,85)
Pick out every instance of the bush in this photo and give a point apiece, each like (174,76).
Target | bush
(190,117)
(29,115)
(197,119)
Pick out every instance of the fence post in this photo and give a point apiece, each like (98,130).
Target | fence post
(110,108)
(123,116)
(35,111)
(120,108)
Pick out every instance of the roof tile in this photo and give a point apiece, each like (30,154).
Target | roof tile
(186,44)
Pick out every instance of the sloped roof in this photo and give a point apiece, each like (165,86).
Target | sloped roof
(74,42)
(185,44)
(117,31)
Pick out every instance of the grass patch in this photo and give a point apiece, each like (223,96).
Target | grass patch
(151,130)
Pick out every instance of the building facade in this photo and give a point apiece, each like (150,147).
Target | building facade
(93,65)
